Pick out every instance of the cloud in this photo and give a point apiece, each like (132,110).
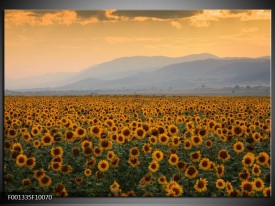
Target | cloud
(37,18)
(206,17)
(32,19)
(89,21)
(176,24)
(132,14)
(249,29)
(203,18)
(118,40)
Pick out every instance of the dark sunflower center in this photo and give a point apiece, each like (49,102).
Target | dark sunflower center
(45,180)
(248,187)
(140,132)
(191,170)
(201,184)
(223,154)
(21,160)
(81,132)
(134,152)
(47,139)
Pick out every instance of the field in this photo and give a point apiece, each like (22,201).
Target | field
(137,146)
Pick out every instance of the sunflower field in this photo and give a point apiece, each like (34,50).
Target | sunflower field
(137,146)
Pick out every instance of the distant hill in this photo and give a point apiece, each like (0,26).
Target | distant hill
(157,73)
(115,69)
(210,72)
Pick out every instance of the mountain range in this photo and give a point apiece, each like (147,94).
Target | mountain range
(156,72)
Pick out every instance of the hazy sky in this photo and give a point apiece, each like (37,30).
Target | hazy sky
(38,42)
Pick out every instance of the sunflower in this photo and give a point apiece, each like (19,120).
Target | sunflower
(39,173)
(177,190)
(248,159)
(57,151)
(56,166)
(97,151)
(157,155)
(187,144)
(190,126)
(196,140)
(148,178)
(146,148)
(88,151)
(35,131)
(220,184)
(256,170)
(59,188)
(12,133)
(173,130)
(259,184)
(244,174)
(111,155)
(95,130)
(109,123)
(26,182)
(126,132)
(173,159)
(191,172)
(45,181)
(257,136)
(21,160)
(247,187)
(229,188)
(203,132)
(85,144)
(78,180)
(120,139)
(176,141)
(163,139)
(7,145)
(70,136)
(27,137)
(201,185)
(154,131)
(115,162)
(238,130)
(87,172)
(134,152)
(114,188)
(91,162)
(103,165)
(65,169)
(140,133)
(105,144)
(205,164)
(266,191)
(31,162)
(195,156)
(162,180)
(153,140)
(238,147)
(114,137)
(57,159)
(153,166)
(47,140)
(181,166)
(17,147)
(219,170)
(262,158)
(209,144)
(133,161)
(223,155)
